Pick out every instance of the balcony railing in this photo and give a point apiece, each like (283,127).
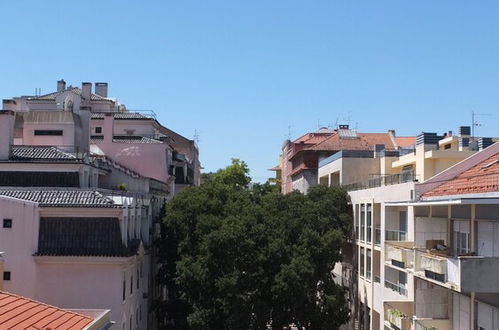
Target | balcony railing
(463,273)
(398,314)
(431,324)
(378,180)
(400,254)
(395,235)
(397,287)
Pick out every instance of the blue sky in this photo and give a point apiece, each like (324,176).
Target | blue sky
(245,74)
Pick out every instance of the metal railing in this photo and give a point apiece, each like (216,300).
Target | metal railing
(395,235)
(378,180)
(397,287)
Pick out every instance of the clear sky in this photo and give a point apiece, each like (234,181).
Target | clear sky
(246,74)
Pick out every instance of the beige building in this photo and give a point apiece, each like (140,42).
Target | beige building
(381,259)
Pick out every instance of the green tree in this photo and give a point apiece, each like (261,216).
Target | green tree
(242,258)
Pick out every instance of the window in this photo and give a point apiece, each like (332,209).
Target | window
(362,262)
(6,276)
(141,268)
(131,284)
(98,130)
(140,312)
(137,316)
(368,264)
(368,221)
(357,219)
(434,276)
(7,223)
(362,221)
(131,323)
(124,286)
(403,225)
(48,132)
(397,263)
(138,279)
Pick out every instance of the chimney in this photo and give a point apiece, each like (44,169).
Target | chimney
(108,128)
(61,85)
(101,89)
(86,91)
(9,104)
(392,132)
(7,118)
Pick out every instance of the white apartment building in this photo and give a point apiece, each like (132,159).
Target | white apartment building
(382,266)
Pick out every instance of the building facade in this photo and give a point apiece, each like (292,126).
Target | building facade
(83,182)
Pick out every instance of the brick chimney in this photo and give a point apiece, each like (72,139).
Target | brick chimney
(7,118)
(61,85)
(101,89)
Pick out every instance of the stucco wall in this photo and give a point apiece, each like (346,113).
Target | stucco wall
(19,243)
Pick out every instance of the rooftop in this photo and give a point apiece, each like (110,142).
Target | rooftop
(60,198)
(481,178)
(18,312)
(126,115)
(76,90)
(40,153)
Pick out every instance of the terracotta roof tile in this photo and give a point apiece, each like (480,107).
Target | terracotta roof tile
(481,178)
(405,141)
(364,141)
(17,312)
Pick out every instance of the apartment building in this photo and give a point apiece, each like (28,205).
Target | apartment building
(299,160)
(83,181)
(378,265)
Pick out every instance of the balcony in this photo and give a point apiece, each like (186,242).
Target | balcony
(431,324)
(463,273)
(398,315)
(396,287)
(399,254)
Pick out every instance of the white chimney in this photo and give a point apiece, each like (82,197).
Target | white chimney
(7,119)
(101,89)
(61,85)
(86,92)
(9,104)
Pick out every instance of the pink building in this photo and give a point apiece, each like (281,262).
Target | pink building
(82,185)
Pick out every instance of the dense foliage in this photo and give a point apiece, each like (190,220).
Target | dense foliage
(250,258)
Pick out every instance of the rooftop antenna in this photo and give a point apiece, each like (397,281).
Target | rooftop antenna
(475,123)
(348,118)
(289,132)
(196,136)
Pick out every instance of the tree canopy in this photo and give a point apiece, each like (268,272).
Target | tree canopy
(250,258)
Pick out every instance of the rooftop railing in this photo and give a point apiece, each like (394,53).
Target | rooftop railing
(397,287)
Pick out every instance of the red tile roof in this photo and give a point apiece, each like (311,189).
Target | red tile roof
(23,313)
(405,141)
(481,178)
(364,141)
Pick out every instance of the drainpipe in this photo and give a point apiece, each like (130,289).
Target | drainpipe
(1,271)
(472,228)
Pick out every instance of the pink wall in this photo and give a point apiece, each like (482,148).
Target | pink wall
(149,160)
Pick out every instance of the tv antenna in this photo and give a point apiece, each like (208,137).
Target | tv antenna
(196,136)
(474,122)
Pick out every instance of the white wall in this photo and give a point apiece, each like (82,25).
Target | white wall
(19,243)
